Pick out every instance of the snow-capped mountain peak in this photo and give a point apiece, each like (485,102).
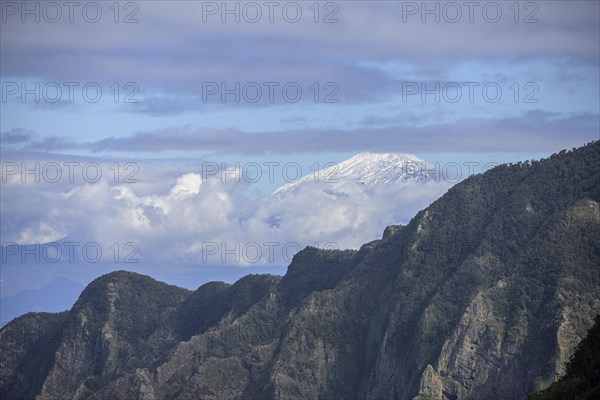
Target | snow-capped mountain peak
(370,169)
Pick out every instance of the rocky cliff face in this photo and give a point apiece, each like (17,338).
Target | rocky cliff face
(485,294)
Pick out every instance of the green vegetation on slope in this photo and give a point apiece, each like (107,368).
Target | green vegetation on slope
(582,381)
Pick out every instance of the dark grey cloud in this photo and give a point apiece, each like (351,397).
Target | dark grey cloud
(349,85)
(16,136)
(170,50)
(21,138)
(532,131)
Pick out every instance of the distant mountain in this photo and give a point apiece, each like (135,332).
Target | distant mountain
(58,295)
(485,294)
(353,201)
(370,169)
(49,289)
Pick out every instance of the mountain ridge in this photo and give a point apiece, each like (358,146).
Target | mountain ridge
(484,294)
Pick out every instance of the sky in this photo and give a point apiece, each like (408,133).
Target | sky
(118,119)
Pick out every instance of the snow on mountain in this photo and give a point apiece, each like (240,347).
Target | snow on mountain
(354,199)
(370,169)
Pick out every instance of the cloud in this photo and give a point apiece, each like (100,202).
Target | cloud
(21,138)
(193,219)
(41,233)
(194,51)
(531,131)
(15,137)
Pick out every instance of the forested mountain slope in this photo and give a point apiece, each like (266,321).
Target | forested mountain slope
(483,295)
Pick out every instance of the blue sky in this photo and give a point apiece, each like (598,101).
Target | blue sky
(183,83)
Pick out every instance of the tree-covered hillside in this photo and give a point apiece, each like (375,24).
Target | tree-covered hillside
(485,294)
